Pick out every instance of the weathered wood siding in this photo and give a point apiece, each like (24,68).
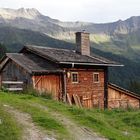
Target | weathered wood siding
(49,84)
(121,99)
(13,72)
(90,93)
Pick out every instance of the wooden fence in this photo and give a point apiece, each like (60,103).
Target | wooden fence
(13,85)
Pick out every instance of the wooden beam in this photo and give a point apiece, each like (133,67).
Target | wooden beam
(33,79)
(86,99)
(13,85)
(3,62)
(68,99)
(77,100)
(38,81)
(14,89)
(12,82)
(64,86)
(106,88)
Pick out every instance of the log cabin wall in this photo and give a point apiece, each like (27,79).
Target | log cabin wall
(90,93)
(48,84)
(121,99)
(13,72)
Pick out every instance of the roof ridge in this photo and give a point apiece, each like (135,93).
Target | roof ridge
(98,59)
(15,53)
(35,46)
(39,54)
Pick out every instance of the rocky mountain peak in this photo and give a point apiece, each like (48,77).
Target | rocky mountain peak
(28,13)
(31,11)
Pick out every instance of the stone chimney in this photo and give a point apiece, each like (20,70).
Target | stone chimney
(82,43)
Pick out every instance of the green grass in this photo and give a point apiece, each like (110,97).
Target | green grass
(9,130)
(100,38)
(39,116)
(113,124)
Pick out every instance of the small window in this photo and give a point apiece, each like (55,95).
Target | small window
(74,77)
(96,77)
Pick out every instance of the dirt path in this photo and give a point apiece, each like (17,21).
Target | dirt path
(30,130)
(77,132)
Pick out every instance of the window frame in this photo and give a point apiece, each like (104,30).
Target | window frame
(96,73)
(72,77)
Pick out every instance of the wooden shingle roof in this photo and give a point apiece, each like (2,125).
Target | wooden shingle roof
(64,56)
(33,63)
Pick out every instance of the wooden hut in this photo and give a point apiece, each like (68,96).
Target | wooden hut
(76,76)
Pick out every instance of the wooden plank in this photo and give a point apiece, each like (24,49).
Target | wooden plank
(33,79)
(14,89)
(38,81)
(86,99)
(69,100)
(79,102)
(75,100)
(3,62)
(12,82)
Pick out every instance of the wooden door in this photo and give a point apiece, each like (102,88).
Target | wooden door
(49,84)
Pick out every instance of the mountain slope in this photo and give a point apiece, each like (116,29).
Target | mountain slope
(122,36)
(15,38)
(2,50)
(34,20)
(22,17)
(28,19)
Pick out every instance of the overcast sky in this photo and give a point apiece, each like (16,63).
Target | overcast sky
(97,11)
